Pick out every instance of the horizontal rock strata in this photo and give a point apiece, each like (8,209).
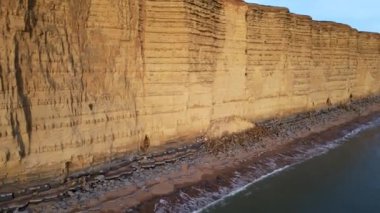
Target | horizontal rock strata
(82,81)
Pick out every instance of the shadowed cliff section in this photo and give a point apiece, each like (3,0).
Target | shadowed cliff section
(91,80)
(25,105)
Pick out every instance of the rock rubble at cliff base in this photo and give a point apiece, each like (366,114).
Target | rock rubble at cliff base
(145,171)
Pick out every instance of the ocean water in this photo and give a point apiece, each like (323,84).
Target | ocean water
(345,179)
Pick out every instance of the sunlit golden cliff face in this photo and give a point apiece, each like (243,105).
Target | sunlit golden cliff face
(84,80)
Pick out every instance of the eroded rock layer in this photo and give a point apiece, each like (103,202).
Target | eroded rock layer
(84,80)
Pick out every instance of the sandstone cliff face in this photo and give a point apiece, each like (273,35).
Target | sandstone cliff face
(83,80)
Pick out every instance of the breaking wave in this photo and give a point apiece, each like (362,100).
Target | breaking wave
(200,199)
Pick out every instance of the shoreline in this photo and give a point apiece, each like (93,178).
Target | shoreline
(242,172)
(140,190)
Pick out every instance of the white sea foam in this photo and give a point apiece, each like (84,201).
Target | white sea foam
(241,189)
(240,182)
(309,154)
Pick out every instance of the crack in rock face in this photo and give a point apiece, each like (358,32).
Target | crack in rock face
(88,81)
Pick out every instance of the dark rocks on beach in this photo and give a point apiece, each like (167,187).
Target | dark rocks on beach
(6,197)
(22,192)
(40,188)
(100,177)
(36,200)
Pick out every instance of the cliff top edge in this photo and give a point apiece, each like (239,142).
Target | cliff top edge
(270,8)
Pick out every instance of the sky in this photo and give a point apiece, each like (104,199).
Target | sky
(363,15)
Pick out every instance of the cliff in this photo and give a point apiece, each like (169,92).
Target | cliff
(82,81)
